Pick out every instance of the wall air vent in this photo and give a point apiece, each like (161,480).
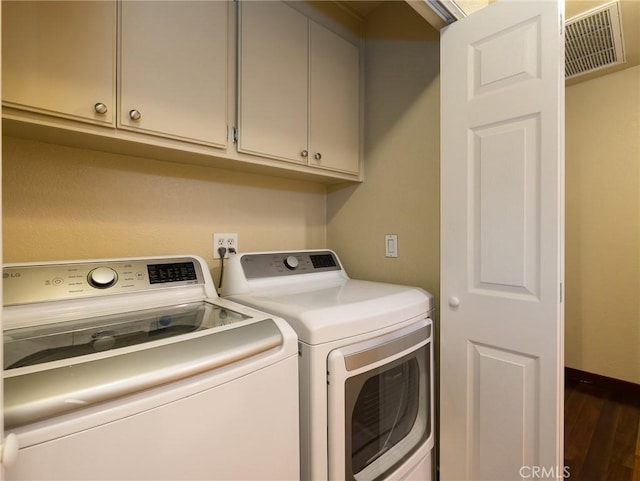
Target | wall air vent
(593,40)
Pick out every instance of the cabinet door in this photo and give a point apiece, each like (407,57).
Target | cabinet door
(173,60)
(273,77)
(58,58)
(334,101)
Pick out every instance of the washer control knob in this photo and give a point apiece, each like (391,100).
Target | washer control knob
(291,262)
(102,277)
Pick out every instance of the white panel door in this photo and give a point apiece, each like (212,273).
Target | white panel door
(501,382)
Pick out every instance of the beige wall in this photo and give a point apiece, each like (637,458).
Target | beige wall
(400,194)
(603,225)
(67,203)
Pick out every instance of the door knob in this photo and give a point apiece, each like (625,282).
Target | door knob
(454,302)
(135,115)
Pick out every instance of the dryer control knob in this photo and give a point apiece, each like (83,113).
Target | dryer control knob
(291,262)
(102,277)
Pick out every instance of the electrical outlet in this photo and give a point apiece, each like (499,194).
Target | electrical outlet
(228,241)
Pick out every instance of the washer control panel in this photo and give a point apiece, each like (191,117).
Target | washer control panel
(48,282)
(277,264)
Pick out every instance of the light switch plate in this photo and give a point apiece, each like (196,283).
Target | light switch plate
(391,245)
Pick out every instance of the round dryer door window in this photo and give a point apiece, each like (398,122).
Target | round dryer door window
(379,406)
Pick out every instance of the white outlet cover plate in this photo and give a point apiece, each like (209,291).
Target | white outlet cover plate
(227,240)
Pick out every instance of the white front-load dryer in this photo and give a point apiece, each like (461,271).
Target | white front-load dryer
(365,358)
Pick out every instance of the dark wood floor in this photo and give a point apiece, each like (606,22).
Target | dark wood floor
(602,432)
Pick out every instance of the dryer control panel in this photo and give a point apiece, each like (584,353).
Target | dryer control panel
(277,264)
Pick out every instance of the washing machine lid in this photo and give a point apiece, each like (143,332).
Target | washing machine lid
(327,310)
(57,341)
(61,367)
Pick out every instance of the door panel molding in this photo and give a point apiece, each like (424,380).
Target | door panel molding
(505,214)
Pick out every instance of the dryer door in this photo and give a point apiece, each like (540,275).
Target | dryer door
(380,410)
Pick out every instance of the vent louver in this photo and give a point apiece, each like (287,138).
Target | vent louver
(593,40)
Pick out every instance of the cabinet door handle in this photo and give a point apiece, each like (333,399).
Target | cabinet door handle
(100,108)
(135,114)
(304,153)
(317,156)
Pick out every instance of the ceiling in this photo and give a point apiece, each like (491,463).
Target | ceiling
(361,8)
(630,25)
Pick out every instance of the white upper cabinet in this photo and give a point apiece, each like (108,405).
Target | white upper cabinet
(173,69)
(59,58)
(273,79)
(334,100)
(137,76)
(298,91)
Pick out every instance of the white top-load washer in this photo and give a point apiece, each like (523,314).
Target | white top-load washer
(366,363)
(135,369)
